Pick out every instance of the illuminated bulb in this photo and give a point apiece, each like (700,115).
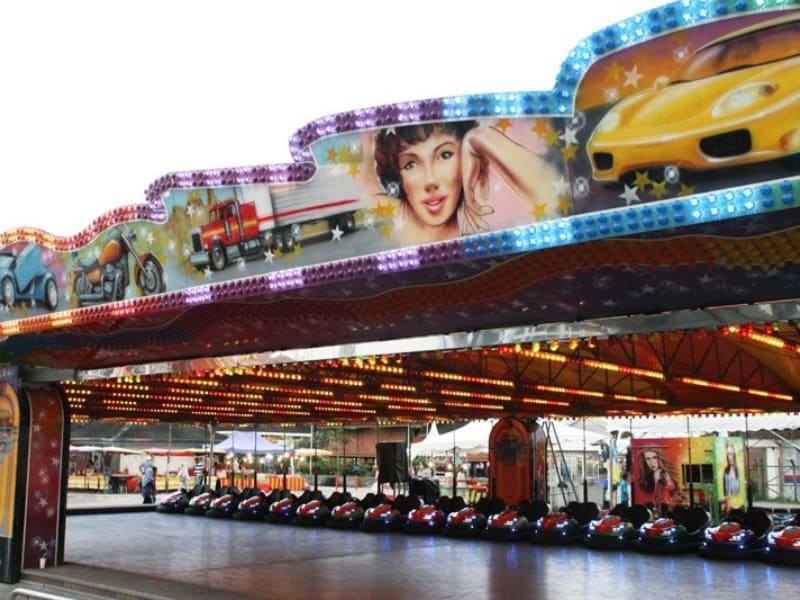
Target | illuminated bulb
(554,345)
(536,346)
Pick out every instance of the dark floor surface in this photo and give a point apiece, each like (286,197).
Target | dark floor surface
(178,556)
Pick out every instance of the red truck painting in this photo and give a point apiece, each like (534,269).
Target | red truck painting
(255,218)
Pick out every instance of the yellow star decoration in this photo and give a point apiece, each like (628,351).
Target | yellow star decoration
(277,254)
(386,230)
(541,128)
(569,152)
(551,137)
(342,155)
(383,210)
(614,71)
(564,204)
(503,124)
(686,190)
(332,154)
(642,180)
(659,189)
(539,211)
(353,170)
(298,250)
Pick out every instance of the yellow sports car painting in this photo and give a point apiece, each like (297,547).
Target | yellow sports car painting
(735,101)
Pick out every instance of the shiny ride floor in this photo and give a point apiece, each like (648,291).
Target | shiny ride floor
(243,559)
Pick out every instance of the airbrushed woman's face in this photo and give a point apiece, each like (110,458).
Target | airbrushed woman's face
(651,460)
(430,173)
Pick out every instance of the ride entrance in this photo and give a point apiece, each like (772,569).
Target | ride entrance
(564,272)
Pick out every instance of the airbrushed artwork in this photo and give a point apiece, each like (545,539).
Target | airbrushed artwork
(704,107)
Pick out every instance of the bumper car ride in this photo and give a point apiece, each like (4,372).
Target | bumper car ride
(175,503)
(612,532)
(223,507)
(467,522)
(198,505)
(282,511)
(556,529)
(313,513)
(739,536)
(667,536)
(424,520)
(346,516)
(383,518)
(508,525)
(252,509)
(783,545)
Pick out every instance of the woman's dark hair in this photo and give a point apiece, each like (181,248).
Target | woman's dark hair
(390,142)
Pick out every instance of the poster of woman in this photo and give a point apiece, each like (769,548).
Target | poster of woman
(730,469)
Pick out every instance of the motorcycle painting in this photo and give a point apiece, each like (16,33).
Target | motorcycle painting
(105,278)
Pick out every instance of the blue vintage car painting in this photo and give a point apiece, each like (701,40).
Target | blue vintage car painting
(23,277)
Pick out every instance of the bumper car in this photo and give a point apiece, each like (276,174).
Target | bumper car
(467,522)
(565,526)
(198,504)
(254,507)
(346,516)
(312,513)
(283,510)
(389,517)
(177,502)
(740,535)
(426,519)
(351,514)
(618,529)
(225,505)
(507,525)
(783,545)
(680,531)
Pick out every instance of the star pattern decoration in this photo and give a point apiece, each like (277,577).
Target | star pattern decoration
(561,186)
(269,257)
(614,71)
(542,128)
(207,273)
(630,194)
(564,204)
(642,180)
(241,264)
(569,152)
(659,189)
(539,211)
(632,77)
(686,190)
(336,234)
(503,124)
(570,136)
(399,223)
(352,170)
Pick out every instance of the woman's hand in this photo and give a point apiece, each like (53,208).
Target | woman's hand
(475,182)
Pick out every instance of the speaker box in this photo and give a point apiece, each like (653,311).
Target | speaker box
(392,462)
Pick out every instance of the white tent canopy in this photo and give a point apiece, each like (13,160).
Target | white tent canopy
(473,438)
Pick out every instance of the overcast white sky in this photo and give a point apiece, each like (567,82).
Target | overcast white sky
(101,98)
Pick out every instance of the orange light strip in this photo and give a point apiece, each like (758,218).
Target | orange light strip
(478,395)
(475,405)
(734,388)
(544,402)
(466,378)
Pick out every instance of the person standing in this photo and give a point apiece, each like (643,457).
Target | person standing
(148,482)
(183,476)
(624,489)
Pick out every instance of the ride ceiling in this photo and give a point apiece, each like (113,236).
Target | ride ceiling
(658,279)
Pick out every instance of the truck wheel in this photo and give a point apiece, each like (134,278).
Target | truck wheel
(8,291)
(347,222)
(288,241)
(218,258)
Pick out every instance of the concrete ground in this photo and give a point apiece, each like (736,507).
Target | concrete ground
(157,556)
